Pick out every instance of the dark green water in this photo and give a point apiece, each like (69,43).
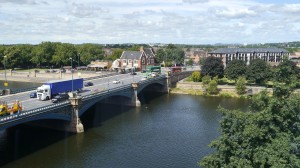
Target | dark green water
(168,131)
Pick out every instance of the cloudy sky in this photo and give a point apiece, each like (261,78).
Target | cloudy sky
(149,21)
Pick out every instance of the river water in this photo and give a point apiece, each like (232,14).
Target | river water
(167,131)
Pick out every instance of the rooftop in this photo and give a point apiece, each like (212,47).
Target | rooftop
(248,50)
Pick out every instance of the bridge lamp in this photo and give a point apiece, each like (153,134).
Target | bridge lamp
(78,59)
(5,83)
(72,72)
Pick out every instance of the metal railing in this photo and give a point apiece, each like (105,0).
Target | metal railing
(22,90)
(30,113)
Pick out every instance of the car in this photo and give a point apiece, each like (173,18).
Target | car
(32,95)
(60,97)
(133,73)
(116,81)
(87,84)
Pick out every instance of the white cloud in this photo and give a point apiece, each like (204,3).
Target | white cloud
(172,21)
(234,13)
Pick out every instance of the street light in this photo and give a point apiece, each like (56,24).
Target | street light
(5,83)
(78,59)
(72,72)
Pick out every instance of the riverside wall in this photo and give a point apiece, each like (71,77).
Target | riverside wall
(197,86)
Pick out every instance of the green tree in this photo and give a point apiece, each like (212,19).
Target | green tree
(90,52)
(241,85)
(170,55)
(235,69)
(213,66)
(213,87)
(42,54)
(63,53)
(190,62)
(196,76)
(258,71)
(266,135)
(116,54)
(286,72)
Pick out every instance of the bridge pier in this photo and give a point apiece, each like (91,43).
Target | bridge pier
(75,124)
(135,100)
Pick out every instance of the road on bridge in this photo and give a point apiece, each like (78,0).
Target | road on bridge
(100,84)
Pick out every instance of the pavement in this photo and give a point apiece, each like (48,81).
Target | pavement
(43,77)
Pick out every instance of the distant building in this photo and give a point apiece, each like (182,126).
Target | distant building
(99,65)
(150,56)
(195,54)
(137,59)
(270,55)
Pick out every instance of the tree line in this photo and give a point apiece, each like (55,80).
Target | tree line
(57,55)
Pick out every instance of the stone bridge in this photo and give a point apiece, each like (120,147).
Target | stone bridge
(70,111)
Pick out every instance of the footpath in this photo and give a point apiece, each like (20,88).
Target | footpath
(43,76)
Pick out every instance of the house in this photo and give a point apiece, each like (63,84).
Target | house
(137,59)
(150,56)
(195,54)
(133,59)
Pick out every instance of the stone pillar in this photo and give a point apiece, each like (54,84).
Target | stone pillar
(75,124)
(135,100)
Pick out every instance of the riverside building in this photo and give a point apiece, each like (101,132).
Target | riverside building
(270,55)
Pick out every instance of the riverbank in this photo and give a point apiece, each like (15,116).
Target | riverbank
(195,88)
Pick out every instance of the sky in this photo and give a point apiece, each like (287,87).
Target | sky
(149,21)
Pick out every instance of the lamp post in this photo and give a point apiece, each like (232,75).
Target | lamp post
(78,59)
(4,67)
(72,71)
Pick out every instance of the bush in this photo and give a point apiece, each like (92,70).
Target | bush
(196,77)
(213,87)
(205,82)
(241,85)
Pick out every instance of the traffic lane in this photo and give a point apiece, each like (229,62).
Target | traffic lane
(124,80)
(100,85)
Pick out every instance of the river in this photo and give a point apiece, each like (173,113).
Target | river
(167,131)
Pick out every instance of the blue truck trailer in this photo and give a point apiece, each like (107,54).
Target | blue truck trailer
(49,89)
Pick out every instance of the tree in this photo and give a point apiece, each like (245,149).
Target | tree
(42,54)
(63,53)
(190,62)
(116,54)
(266,135)
(170,55)
(241,85)
(90,52)
(213,87)
(205,81)
(213,66)
(235,69)
(286,72)
(196,76)
(258,71)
